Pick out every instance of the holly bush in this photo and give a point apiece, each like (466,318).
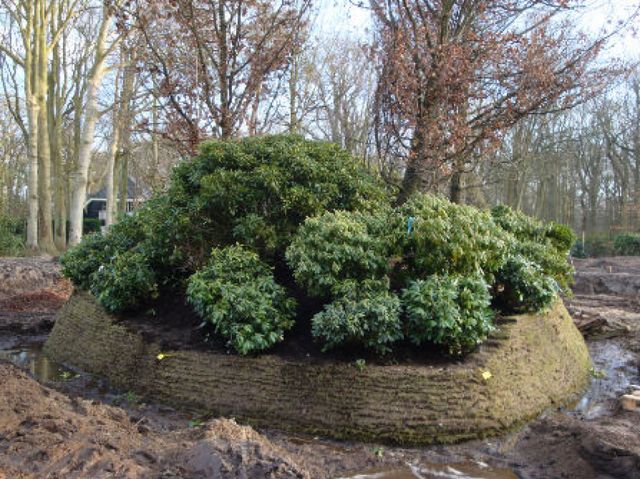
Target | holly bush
(524,287)
(338,246)
(363,314)
(125,282)
(236,292)
(452,311)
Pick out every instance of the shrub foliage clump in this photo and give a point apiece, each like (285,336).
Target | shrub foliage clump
(338,246)
(627,244)
(453,311)
(236,292)
(11,235)
(125,282)
(524,287)
(363,314)
(450,266)
(247,225)
(253,192)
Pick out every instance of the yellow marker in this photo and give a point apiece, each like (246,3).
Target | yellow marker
(162,356)
(486,375)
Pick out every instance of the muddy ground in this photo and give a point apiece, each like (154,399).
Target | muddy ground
(70,425)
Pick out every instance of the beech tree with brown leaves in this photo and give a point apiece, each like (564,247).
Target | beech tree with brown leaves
(456,75)
(215,61)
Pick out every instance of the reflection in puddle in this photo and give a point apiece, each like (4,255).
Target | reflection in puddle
(471,470)
(29,356)
(615,369)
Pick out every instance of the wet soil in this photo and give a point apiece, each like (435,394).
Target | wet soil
(31,291)
(173,324)
(61,423)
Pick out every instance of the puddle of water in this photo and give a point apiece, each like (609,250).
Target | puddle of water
(29,356)
(470,470)
(615,370)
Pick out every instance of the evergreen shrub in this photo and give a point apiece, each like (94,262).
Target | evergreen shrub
(236,292)
(362,314)
(627,244)
(451,311)
(11,235)
(249,224)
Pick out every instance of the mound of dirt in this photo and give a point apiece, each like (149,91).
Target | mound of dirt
(46,434)
(22,275)
(41,301)
(31,291)
(605,316)
(612,446)
(609,276)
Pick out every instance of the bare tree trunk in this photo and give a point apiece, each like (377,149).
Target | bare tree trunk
(80,176)
(32,182)
(32,116)
(45,230)
(125,122)
(113,153)
(123,182)
(111,165)
(413,176)
(55,105)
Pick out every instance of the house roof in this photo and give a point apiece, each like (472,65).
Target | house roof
(132,191)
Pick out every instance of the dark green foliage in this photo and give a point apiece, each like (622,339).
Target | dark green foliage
(444,259)
(594,246)
(11,235)
(546,245)
(627,244)
(551,261)
(257,191)
(80,263)
(517,223)
(447,238)
(451,311)
(339,246)
(90,225)
(579,250)
(236,292)
(127,233)
(245,212)
(125,283)
(562,237)
(364,314)
(524,287)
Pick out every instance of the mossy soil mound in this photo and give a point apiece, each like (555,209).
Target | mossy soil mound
(532,363)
